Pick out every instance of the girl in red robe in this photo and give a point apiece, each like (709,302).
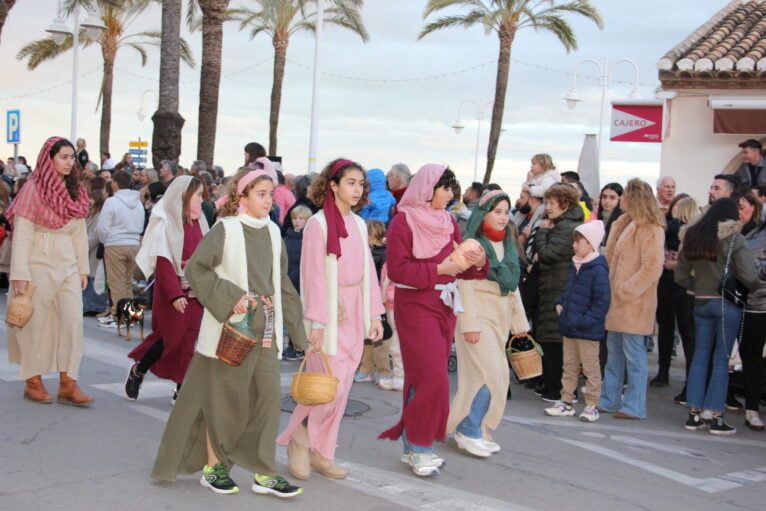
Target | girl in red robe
(420,239)
(175,229)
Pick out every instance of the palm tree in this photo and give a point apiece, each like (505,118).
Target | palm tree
(282,18)
(117,15)
(5,7)
(506,17)
(168,122)
(213,16)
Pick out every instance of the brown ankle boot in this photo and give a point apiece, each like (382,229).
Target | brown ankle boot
(327,468)
(69,392)
(298,461)
(35,390)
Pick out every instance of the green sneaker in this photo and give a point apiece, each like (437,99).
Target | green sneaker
(217,479)
(276,485)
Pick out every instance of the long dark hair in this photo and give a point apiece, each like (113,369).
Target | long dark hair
(701,239)
(72,181)
(254,151)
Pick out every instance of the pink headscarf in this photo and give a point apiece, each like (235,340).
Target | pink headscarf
(336,227)
(431,228)
(44,199)
(267,170)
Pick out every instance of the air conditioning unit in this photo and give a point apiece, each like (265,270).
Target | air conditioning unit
(737,102)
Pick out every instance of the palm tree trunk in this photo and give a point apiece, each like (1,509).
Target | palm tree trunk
(168,122)
(280,42)
(210,76)
(501,85)
(5,7)
(107,84)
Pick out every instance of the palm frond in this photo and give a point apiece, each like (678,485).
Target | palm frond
(464,20)
(347,15)
(69,5)
(186,53)
(437,5)
(583,8)
(559,27)
(141,51)
(42,50)
(193,16)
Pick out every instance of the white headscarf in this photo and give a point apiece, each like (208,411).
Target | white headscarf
(164,236)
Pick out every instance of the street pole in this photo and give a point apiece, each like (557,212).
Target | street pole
(75,71)
(314,134)
(604,87)
(478,137)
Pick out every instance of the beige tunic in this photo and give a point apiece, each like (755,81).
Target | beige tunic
(485,363)
(52,341)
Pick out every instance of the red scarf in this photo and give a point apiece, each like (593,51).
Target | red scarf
(491,234)
(336,227)
(44,199)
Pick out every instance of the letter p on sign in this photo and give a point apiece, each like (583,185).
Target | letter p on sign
(13,125)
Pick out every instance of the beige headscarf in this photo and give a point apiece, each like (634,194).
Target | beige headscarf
(164,235)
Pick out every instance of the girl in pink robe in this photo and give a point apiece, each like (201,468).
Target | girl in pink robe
(334,232)
(420,240)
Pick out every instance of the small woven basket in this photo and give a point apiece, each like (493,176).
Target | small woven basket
(20,309)
(233,346)
(312,389)
(526,364)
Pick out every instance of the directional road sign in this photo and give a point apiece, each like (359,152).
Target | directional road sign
(137,152)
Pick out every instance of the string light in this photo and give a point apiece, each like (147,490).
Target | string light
(334,75)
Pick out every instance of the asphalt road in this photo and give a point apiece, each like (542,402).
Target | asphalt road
(58,457)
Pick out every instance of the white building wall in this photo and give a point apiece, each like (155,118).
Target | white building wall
(693,154)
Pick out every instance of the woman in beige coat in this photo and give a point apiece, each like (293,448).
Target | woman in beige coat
(50,250)
(635,255)
(492,308)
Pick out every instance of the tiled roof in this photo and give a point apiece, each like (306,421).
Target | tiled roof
(732,44)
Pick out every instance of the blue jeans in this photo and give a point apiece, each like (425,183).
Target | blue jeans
(470,426)
(714,340)
(626,351)
(409,447)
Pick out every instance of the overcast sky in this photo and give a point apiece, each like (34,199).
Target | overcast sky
(376,123)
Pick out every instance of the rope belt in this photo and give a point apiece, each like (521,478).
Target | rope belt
(450,295)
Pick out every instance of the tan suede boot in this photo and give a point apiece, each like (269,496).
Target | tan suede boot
(298,454)
(327,468)
(69,392)
(35,390)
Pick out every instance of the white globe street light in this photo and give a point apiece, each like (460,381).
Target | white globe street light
(573,97)
(59,32)
(458,127)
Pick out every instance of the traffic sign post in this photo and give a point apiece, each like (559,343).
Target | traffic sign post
(137,151)
(13,130)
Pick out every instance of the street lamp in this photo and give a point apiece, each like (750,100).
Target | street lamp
(59,32)
(458,126)
(141,114)
(605,78)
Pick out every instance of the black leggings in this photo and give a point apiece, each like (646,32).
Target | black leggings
(674,307)
(751,352)
(151,356)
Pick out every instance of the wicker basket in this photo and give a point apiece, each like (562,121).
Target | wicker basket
(311,389)
(20,309)
(526,364)
(233,346)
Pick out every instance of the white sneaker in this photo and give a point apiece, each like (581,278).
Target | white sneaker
(491,446)
(753,420)
(397,384)
(560,409)
(423,465)
(105,319)
(474,446)
(108,324)
(386,383)
(590,414)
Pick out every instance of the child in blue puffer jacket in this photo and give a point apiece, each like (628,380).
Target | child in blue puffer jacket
(582,311)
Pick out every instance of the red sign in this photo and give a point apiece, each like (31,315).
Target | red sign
(636,123)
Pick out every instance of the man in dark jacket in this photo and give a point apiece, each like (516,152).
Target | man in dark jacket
(751,173)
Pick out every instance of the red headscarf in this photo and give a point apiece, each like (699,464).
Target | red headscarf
(336,227)
(44,199)
(431,228)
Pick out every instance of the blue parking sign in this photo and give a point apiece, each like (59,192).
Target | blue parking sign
(13,126)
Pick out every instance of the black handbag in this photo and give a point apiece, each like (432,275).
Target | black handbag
(730,288)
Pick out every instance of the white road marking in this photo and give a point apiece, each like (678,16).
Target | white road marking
(646,445)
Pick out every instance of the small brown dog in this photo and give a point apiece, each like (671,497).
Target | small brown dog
(130,310)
